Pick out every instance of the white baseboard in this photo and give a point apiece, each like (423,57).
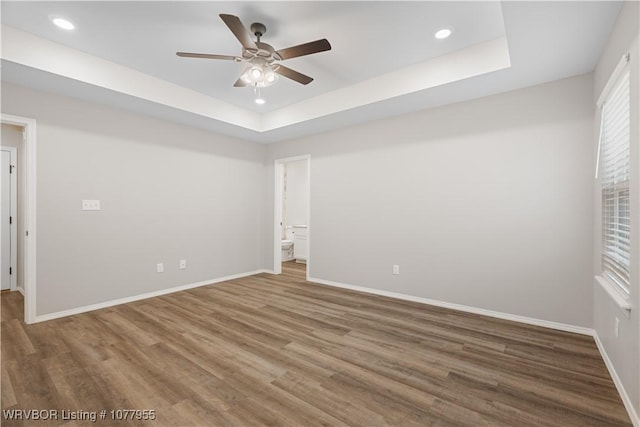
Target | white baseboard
(20,289)
(616,380)
(497,314)
(84,309)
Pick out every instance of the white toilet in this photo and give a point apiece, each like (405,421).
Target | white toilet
(287,245)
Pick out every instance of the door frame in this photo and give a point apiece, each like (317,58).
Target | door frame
(277,211)
(13,212)
(28,176)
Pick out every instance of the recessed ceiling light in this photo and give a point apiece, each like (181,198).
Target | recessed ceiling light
(443,33)
(260,101)
(65,24)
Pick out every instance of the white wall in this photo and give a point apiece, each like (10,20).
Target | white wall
(12,137)
(486,203)
(624,352)
(297,195)
(168,192)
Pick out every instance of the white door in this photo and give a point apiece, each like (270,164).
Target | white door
(5,232)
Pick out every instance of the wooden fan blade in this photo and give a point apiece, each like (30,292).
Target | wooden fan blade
(240,83)
(304,49)
(293,75)
(207,56)
(240,31)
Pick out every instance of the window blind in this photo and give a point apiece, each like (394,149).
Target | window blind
(615,162)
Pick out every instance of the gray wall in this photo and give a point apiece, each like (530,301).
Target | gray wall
(168,192)
(623,352)
(486,203)
(12,137)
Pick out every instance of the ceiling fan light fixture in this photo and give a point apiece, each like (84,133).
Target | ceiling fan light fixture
(260,75)
(443,33)
(63,23)
(270,77)
(256,74)
(260,101)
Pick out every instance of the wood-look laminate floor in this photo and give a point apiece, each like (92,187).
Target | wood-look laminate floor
(278,351)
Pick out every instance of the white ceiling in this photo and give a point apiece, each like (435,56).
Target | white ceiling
(384,61)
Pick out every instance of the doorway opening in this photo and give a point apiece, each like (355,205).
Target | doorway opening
(19,142)
(291,230)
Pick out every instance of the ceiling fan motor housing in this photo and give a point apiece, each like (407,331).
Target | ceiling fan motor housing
(258,29)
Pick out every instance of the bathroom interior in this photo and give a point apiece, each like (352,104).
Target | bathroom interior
(295,211)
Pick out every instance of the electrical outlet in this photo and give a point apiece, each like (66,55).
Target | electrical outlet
(396,269)
(183,264)
(616,328)
(160,268)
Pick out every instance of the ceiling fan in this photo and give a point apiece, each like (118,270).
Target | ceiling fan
(263,61)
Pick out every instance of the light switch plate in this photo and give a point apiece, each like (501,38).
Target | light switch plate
(91,205)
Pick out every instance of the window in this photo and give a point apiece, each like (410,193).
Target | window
(615,161)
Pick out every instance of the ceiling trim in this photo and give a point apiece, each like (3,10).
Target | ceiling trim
(42,54)
(36,52)
(469,62)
